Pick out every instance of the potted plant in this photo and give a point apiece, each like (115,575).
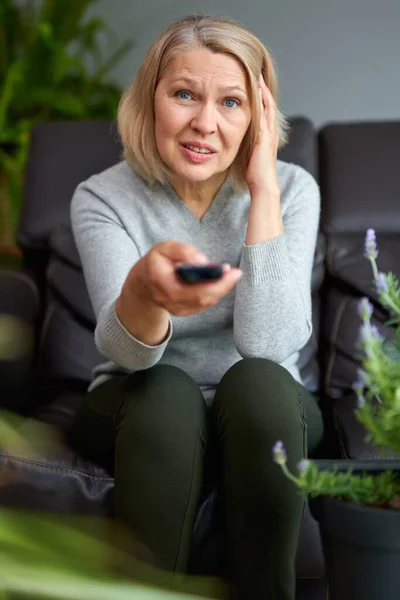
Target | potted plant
(357,502)
(51,67)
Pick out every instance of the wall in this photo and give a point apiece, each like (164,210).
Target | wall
(336,59)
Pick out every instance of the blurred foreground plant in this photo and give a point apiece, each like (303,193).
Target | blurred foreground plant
(67,556)
(378,393)
(77,558)
(63,556)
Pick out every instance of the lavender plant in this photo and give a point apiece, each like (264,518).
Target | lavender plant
(378,393)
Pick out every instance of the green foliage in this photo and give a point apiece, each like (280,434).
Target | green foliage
(390,299)
(381,364)
(51,67)
(362,489)
(83,558)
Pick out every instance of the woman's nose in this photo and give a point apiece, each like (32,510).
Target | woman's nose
(205,119)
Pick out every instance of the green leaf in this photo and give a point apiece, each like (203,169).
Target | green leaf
(46,33)
(69,105)
(392,350)
(13,77)
(398,338)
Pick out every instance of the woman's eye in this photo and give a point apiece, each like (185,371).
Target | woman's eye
(183,95)
(231,102)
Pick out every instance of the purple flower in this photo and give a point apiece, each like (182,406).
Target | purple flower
(370,249)
(279,453)
(381,283)
(358,386)
(363,334)
(375,333)
(368,333)
(365,309)
(362,380)
(360,400)
(363,376)
(303,465)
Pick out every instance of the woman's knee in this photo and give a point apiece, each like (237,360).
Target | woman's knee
(257,403)
(162,398)
(258,384)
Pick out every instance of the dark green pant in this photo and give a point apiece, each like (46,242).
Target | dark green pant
(155,427)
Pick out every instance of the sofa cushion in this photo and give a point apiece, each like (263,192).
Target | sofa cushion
(346,262)
(341,331)
(308,358)
(66,484)
(65,278)
(62,244)
(61,155)
(359,177)
(67,349)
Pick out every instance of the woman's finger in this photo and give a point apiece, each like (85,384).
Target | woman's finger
(263,113)
(269,106)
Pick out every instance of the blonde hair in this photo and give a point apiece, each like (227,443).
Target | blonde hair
(136,119)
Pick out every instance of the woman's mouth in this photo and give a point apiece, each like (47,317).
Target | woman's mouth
(197,154)
(198,149)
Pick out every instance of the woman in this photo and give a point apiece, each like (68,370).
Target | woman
(201,182)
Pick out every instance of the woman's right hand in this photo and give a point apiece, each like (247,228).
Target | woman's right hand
(154,279)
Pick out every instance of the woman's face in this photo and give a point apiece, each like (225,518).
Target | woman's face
(202,112)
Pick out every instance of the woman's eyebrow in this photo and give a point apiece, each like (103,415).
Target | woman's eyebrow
(233,88)
(223,88)
(188,80)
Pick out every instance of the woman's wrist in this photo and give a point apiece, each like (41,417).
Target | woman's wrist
(266,190)
(145,320)
(265,216)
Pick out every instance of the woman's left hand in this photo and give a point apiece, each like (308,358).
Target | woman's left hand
(261,171)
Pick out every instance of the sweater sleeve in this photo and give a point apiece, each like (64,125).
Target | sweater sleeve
(272,313)
(107,254)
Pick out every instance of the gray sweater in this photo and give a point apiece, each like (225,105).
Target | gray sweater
(117,218)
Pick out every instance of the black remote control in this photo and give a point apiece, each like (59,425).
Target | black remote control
(199,273)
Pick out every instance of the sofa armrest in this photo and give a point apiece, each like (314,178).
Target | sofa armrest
(351,433)
(19,314)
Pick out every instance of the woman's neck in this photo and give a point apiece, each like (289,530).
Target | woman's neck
(198,196)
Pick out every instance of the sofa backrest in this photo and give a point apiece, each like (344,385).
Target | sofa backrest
(61,155)
(358,173)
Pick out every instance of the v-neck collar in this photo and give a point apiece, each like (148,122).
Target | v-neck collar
(214,210)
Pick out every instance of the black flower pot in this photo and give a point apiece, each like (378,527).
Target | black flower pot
(361,544)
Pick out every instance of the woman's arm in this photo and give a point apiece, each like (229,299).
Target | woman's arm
(272,315)
(131,334)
